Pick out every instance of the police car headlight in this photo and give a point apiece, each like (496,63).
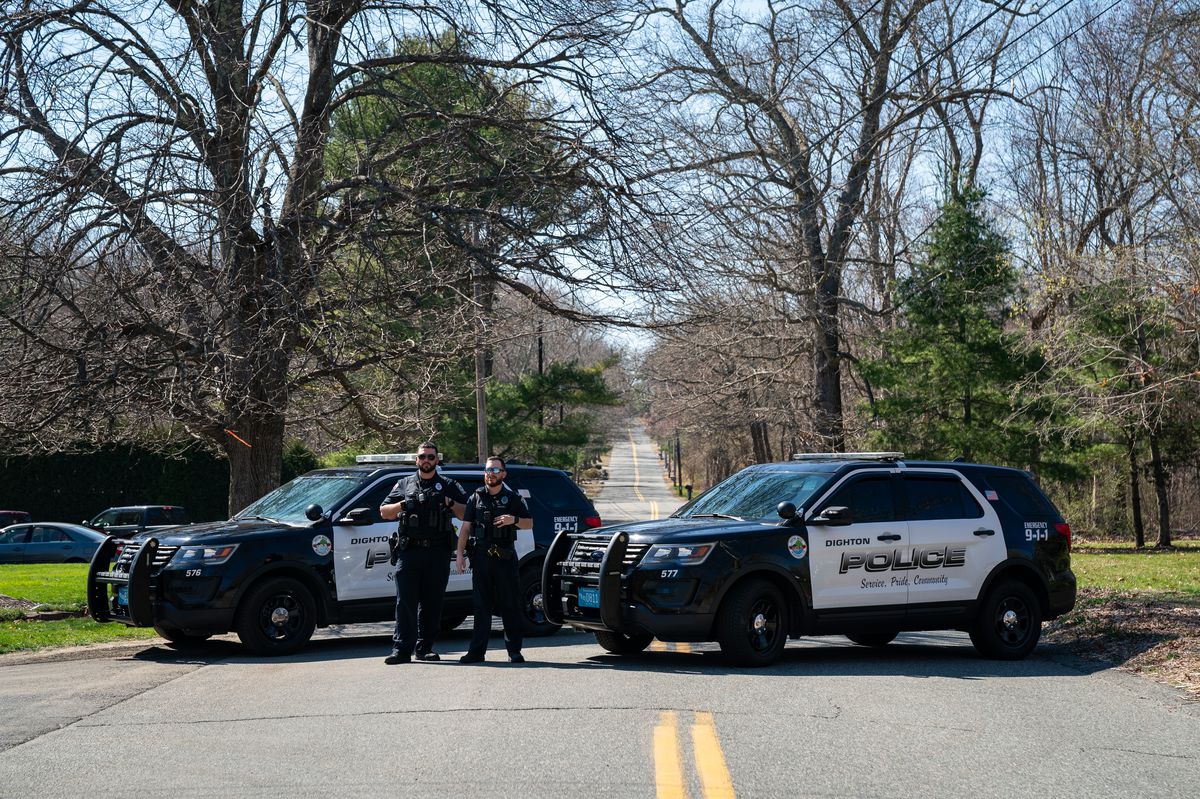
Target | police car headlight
(677,554)
(206,556)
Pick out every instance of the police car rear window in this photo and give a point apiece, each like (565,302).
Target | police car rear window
(556,493)
(1021,494)
(932,498)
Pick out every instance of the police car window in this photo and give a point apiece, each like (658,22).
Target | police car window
(1021,493)
(155,516)
(868,498)
(754,494)
(129,517)
(556,493)
(931,498)
(106,518)
(374,498)
(287,503)
(177,516)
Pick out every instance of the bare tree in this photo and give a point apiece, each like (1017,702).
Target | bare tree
(189,257)
(775,124)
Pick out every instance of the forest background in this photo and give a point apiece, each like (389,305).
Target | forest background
(951,229)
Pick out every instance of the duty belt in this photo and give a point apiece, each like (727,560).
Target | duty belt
(424,543)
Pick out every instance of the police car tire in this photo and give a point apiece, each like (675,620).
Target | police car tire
(178,639)
(872,639)
(752,624)
(258,628)
(999,635)
(623,643)
(530,585)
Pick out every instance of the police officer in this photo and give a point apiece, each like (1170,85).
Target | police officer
(490,521)
(423,503)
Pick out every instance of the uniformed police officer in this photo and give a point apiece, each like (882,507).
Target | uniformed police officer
(491,520)
(423,502)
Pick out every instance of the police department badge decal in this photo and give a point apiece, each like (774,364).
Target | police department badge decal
(322,545)
(797,547)
(437,486)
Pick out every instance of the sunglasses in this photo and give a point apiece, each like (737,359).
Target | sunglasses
(493,470)
(427,457)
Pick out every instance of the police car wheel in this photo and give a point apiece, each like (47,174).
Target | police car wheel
(872,639)
(277,617)
(531,603)
(623,643)
(752,624)
(179,639)
(1009,623)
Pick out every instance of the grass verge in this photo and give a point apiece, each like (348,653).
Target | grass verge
(52,586)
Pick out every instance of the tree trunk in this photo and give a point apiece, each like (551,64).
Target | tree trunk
(1135,497)
(255,466)
(827,365)
(759,436)
(1161,478)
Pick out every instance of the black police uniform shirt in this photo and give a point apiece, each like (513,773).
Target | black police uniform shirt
(506,501)
(412,483)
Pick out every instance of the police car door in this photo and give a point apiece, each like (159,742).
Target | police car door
(361,555)
(955,535)
(850,563)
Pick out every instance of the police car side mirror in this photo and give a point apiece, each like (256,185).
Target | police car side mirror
(359,517)
(313,513)
(836,516)
(786,510)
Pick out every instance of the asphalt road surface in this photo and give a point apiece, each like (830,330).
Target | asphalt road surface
(637,488)
(924,717)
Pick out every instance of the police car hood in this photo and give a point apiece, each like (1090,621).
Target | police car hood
(228,531)
(687,529)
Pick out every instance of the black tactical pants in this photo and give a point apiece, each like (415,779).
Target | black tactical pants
(495,591)
(421,575)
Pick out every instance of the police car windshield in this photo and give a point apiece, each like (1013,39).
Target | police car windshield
(754,494)
(287,503)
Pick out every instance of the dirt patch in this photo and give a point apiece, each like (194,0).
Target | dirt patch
(16,604)
(1151,633)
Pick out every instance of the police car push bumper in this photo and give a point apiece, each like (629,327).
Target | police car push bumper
(132,604)
(600,592)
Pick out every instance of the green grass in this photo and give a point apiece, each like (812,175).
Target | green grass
(1118,566)
(28,635)
(54,586)
(59,586)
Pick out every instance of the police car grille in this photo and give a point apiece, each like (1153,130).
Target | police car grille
(588,552)
(130,551)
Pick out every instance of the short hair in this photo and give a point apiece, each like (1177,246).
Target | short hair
(503,465)
(427,445)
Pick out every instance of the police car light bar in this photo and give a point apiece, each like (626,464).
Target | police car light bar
(391,457)
(848,456)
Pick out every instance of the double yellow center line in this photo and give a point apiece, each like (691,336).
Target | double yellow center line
(637,480)
(715,782)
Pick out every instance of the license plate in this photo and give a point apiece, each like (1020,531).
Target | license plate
(123,595)
(589,597)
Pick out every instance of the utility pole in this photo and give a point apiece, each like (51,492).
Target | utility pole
(678,463)
(481,425)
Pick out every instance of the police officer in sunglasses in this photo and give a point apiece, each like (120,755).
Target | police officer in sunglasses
(492,517)
(423,504)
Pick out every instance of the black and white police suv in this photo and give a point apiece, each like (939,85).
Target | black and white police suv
(860,544)
(311,553)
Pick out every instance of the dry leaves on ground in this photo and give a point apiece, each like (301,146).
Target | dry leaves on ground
(1151,633)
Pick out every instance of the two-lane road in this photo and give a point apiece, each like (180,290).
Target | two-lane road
(637,488)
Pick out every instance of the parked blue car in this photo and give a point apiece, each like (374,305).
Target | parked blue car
(48,543)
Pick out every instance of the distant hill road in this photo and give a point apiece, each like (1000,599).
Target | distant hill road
(637,488)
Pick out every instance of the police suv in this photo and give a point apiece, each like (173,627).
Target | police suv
(311,553)
(860,544)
